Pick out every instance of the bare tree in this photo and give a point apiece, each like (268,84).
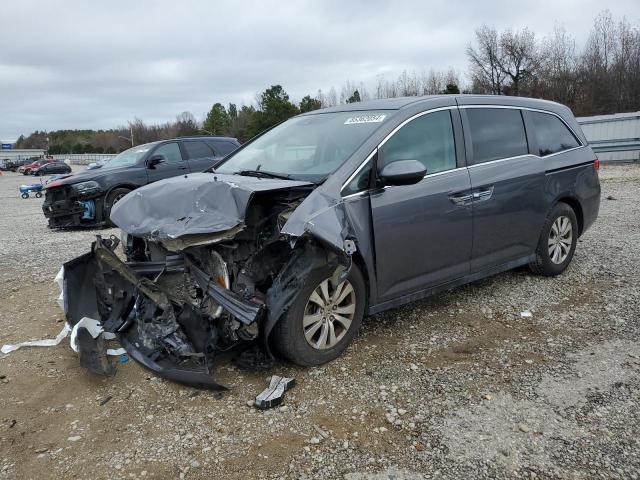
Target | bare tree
(433,83)
(519,58)
(559,64)
(331,98)
(486,60)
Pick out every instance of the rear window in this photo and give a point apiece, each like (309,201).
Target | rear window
(551,134)
(496,133)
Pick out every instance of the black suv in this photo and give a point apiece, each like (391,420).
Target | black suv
(86,198)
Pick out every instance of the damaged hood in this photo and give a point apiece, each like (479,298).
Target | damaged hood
(194,204)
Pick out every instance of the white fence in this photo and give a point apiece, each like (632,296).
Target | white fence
(82,158)
(614,138)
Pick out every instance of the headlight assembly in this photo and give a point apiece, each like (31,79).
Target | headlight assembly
(86,188)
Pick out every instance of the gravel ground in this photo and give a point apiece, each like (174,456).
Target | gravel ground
(456,386)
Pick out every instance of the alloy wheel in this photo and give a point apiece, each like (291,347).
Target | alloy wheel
(329,313)
(560,239)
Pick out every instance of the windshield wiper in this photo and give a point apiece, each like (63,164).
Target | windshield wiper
(263,174)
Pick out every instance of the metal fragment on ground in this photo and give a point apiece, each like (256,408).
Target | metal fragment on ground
(272,396)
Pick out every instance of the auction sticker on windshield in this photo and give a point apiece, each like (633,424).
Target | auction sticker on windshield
(365,119)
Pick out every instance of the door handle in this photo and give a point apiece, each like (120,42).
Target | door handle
(484,194)
(182,168)
(461,199)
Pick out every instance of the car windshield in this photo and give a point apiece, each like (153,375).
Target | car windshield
(309,147)
(129,157)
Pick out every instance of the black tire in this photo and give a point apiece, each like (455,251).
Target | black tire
(25,195)
(288,336)
(543,263)
(114,196)
(38,194)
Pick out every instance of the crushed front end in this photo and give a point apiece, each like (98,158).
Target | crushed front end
(73,205)
(176,302)
(166,309)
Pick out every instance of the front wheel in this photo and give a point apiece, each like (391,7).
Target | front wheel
(25,195)
(323,319)
(557,242)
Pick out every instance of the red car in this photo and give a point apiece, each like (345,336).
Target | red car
(26,169)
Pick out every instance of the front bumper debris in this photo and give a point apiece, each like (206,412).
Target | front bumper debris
(64,210)
(156,327)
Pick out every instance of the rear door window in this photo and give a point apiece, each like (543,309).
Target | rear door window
(197,150)
(551,134)
(496,133)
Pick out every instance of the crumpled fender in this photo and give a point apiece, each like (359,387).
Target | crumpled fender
(324,218)
(343,225)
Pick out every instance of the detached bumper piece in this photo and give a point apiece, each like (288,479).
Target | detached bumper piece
(158,329)
(93,354)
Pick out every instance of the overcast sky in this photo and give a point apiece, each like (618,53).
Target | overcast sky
(88,64)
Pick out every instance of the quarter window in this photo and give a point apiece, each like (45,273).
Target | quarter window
(552,135)
(171,152)
(223,148)
(496,133)
(360,182)
(428,139)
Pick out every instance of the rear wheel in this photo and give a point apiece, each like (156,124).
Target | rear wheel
(323,319)
(557,242)
(114,197)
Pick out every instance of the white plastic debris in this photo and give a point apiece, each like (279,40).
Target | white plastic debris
(59,279)
(93,326)
(48,342)
(95,329)
(526,314)
(90,324)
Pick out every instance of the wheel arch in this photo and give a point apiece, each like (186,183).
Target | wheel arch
(128,186)
(574,203)
(358,260)
(306,256)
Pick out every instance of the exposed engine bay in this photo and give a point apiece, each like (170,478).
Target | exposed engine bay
(176,298)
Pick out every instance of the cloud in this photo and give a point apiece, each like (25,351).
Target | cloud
(78,64)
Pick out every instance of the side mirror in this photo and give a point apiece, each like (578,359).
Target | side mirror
(154,160)
(402,172)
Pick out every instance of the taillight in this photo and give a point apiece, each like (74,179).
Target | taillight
(596,164)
